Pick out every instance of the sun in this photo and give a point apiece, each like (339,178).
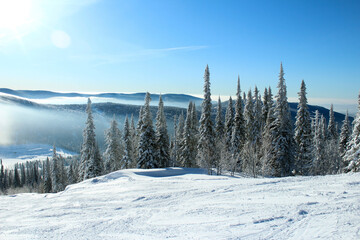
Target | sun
(15,14)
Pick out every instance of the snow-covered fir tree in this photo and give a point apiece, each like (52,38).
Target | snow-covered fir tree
(303,136)
(134,141)
(90,161)
(194,130)
(174,146)
(238,131)
(280,159)
(128,157)
(352,154)
(219,123)
(249,155)
(258,120)
(17,181)
(206,144)
(332,133)
(319,165)
(229,120)
(179,137)
(2,176)
(47,176)
(187,156)
(147,148)
(219,136)
(345,135)
(56,173)
(162,137)
(114,150)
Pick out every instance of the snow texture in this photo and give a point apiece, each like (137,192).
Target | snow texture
(180,203)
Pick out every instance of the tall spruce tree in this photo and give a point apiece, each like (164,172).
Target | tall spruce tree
(249,154)
(162,137)
(114,150)
(332,143)
(258,120)
(319,165)
(332,133)
(187,157)
(206,144)
(229,120)
(128,157)
(352,154)
(303,136)
(238,131)
(56,174)
(2,176)
(133,140)
(344,136)
(47,176)
(147,148)
(219,124)
(90,160)
(219,137)
(281,159)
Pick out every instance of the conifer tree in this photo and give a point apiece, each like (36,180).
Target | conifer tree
(206,144)
(352,154)
(219,124)
(56,178)
(332,143)
(128,157)
(194,131)
(90,160)
(238,131)
(174,146)
(47,177)
(332,130)
(179,136)
(258,120)
(229,119)
(219,137)
(303,136)
(2,176)
(17,181)
(162,137)
(319,164)
(114,152)
(146,148)
(280,158)
(249,153)
(187,151)
(133,140)
(344,136)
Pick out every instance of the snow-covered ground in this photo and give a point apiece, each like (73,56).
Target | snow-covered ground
(178,203)
(28,152)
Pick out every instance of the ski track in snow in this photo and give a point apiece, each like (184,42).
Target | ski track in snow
(177,203)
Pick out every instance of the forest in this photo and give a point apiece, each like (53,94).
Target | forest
(256,137)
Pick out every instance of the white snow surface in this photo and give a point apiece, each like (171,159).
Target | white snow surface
(178,203)
(11,154)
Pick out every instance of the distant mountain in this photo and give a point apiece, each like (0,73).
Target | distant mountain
(39,94)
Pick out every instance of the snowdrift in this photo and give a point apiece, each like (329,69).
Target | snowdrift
(180,203)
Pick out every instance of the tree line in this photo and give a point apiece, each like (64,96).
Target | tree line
(256,137)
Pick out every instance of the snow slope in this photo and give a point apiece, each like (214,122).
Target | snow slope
(28,152)
(177,203)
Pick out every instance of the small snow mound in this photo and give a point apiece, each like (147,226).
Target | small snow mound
(169,172)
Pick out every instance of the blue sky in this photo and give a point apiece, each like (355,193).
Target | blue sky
(164,46)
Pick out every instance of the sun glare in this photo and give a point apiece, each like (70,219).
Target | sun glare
(15,13)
